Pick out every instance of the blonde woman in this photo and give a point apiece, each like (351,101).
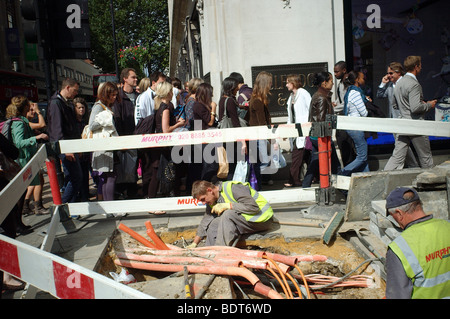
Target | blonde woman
(144,84)
(165,122)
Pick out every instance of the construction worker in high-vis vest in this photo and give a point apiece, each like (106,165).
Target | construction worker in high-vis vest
(417,261)
(232,209)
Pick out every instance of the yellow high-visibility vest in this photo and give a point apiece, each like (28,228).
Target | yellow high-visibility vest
(424,250)
(265,211)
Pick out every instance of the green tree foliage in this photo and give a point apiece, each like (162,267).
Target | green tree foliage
(137,22)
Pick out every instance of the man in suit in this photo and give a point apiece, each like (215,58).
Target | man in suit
(409,101)
(395,73)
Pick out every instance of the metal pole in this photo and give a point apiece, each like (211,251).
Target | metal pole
(324,162)
(114,39)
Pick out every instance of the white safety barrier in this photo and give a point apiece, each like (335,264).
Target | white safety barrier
(395,126)
(183,138)
(401,126)
(11,194)
(281,198)
(59,277)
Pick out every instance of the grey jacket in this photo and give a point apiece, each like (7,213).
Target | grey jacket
(245,204)
(387,91)
(409,98)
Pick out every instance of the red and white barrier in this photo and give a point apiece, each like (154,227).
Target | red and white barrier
(11,194)
(61,278)
(281,198)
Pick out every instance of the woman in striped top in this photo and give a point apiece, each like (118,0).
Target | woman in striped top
(354,105)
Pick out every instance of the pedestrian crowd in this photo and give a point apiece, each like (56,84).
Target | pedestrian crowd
(159,104)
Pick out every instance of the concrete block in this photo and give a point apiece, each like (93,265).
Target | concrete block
(367,187)
(383,222)
(379,206)
(385,239)
(374,229)
(392,233)
(380,220)
(373,217)
(436,203)
(435,175)
(393,221)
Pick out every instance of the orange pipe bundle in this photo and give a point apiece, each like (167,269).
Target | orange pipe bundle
(177,259)
(152,234)
(311,258)
(136,236)
(212,270)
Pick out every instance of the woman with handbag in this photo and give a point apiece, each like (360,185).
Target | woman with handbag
(298,112)
(101,124)
(26,141)
(33,190)
(320,107)
(165,122)
(204,115)
(260,116)
(228,118)
(354,105)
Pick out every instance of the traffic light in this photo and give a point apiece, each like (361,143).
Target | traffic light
(61,27)
(70,28)
(35,21)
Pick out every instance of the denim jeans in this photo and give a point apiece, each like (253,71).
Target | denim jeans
(73,177)
(360,163)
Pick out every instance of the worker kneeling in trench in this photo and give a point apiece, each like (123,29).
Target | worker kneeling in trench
(233,209)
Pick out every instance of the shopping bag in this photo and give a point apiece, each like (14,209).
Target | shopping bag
(252,178)
(278,159)
(241,171)
(166,175)
(223,170)
(126,166)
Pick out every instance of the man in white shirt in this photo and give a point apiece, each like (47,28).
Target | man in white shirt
(145,104)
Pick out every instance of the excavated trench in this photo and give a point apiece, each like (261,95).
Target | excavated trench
(342,259)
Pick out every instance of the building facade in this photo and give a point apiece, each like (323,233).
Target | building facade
(19,56)
(212,38)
